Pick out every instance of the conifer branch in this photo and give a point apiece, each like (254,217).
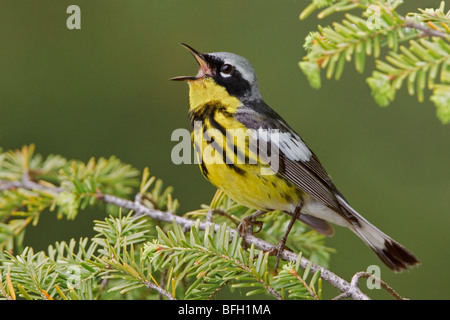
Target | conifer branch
(326,275)
(161,291)
(355,283)
(429,32)
(30,185)
(423,59)
(168,216)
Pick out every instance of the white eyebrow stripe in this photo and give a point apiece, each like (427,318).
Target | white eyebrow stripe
(240,63)
(244,69)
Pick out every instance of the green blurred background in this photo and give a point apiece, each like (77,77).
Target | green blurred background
(104,90)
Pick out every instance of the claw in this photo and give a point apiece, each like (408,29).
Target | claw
(259,224)
(246,226)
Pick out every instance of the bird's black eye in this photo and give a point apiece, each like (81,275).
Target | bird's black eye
(227,69)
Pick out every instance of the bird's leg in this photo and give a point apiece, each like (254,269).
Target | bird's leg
(247,223)
(278,250)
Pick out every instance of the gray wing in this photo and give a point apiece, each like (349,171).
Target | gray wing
(297,163)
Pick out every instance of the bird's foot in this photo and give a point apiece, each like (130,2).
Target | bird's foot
(278,252)
(246,226)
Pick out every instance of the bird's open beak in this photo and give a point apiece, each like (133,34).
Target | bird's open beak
(202,71)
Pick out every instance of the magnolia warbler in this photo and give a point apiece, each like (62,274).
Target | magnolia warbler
(234,131)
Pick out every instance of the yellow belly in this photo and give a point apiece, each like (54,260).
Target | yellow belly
(246,183)
(211,108)
(261,192)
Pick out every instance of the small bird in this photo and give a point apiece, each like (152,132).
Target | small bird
(233,133)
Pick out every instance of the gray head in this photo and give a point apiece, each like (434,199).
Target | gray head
(229,70)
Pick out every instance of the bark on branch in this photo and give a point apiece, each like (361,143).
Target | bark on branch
(346,289)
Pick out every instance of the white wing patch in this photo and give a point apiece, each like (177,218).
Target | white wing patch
(294,148)
(289,144)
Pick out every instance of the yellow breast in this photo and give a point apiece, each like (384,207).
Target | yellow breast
(221,145)
(203,91)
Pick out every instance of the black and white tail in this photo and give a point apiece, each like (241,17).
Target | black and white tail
(393,254)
